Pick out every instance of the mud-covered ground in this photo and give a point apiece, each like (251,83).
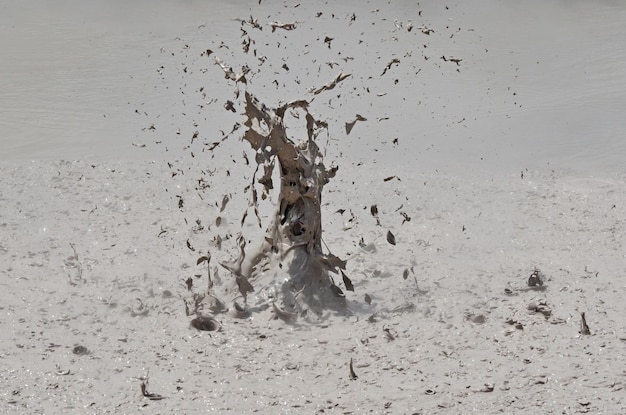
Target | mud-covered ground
(95,259)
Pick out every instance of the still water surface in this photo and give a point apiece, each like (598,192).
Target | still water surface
(541,84)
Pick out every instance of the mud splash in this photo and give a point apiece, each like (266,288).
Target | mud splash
(290,264)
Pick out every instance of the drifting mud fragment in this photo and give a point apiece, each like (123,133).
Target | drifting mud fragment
(393,61)
(350,125)
(232,75)
(285,26)
(332,83)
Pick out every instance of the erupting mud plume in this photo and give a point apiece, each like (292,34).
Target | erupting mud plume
(290,265)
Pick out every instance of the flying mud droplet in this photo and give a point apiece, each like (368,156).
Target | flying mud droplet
(332,83)
(337,291)
(406,217)
(350,125)
(347,282)
(202,259)
(284,26)
(393,61)
(230,74)
(374,210)
(451,59)
(230,106)
(391,238)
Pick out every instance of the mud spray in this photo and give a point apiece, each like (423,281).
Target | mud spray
(290,269)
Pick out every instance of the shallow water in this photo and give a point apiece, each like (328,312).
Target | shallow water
(539,85)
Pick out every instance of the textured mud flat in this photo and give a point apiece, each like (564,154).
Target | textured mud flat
(95,260)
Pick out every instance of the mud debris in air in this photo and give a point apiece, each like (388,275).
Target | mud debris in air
(284,26)
(350,125)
